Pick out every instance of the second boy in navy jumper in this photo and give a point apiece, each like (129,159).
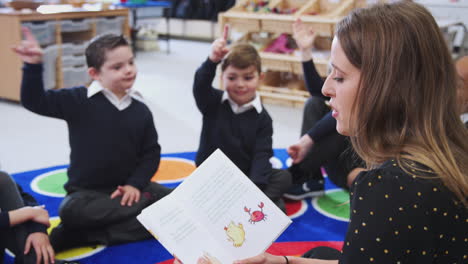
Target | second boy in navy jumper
(113,140)
(235,120)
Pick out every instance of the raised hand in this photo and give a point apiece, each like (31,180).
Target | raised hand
(303,35)
(219,47)
(29,50)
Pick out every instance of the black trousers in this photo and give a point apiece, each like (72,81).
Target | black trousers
(99,219)
(15,237)
(334,152)
(280,182)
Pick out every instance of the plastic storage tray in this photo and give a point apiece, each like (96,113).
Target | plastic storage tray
(150,12)
(43,31)
(76,25)
(73,60)
(75,76)
(69,49)
(49,66)
(79,48)
(109,25)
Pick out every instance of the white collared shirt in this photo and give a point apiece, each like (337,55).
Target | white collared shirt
(120,104)
(239,109)
(464,117)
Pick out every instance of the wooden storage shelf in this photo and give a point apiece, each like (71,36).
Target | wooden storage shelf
(10,26)
(289,63)
(326,15)
(78,36)
(321,15)
(274,23)
(283,96)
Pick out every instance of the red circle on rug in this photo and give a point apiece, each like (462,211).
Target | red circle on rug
(293,207)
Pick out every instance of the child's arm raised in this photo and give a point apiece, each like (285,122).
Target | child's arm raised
(304,37)
(219,47)
(205,95)
(29,50)
(33,96)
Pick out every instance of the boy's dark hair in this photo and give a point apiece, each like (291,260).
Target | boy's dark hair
(96,50)
(242,56)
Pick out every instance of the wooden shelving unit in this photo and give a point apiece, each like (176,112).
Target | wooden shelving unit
(10,26)
(320,15)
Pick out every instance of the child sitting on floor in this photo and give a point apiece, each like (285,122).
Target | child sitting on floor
(114,144)
(235,120)
(320,144)
(23,226)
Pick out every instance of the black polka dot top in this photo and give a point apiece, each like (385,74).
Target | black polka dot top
(397,217)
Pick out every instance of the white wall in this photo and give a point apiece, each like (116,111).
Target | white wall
(449,9)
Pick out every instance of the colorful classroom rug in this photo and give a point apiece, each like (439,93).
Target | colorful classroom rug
(321,221)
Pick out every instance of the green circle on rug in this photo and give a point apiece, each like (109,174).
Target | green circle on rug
(335,203)
(53,183)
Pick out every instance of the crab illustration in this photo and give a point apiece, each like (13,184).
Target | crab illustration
(256,216)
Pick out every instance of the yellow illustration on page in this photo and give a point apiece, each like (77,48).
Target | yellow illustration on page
(235,233)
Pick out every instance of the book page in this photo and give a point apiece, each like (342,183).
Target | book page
(177,231)
(242,219)
(217,210)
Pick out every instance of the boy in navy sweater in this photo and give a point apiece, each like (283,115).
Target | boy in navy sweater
(113,140)
(235,120)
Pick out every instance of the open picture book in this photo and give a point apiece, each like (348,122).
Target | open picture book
(217,212)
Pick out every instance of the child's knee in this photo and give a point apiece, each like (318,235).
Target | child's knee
(6,181)
(282,179)
(70,210)
(286,178)
(155,191)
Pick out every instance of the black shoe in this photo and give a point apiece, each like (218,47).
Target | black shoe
(298,174)
(308,189)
